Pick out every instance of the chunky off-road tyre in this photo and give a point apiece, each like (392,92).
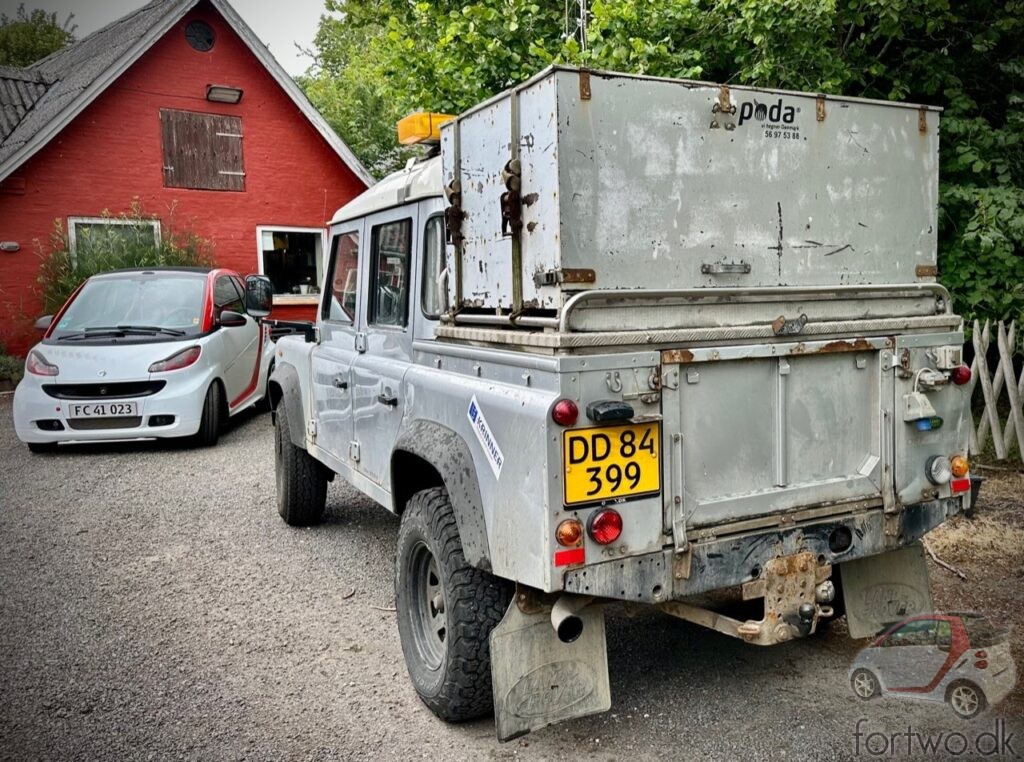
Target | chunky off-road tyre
(966,699)
(446,611)
(40,448)
(301,479)
(212,418)
(865,684)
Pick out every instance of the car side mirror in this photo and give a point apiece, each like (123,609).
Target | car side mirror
(230,319)
(44,323)
(259,295)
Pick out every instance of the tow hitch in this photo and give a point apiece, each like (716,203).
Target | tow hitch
(796,591)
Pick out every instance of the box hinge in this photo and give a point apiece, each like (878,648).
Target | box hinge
(819,108)
(353,451)
(311,428)
(584,85)
(564,275)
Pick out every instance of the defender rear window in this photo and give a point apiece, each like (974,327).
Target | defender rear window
(389,287)
(433,265)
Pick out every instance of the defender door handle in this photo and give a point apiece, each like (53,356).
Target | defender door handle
(340,382)
(387,399)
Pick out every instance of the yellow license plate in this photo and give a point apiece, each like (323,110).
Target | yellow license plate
(611,462)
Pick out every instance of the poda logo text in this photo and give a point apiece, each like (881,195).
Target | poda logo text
(776,113)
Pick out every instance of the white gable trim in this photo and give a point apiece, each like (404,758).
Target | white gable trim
(175,12)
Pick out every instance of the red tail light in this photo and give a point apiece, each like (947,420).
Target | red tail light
(960,375)
(565,413)
(37,365)
(605,526)
(981,664)
(177,361)
(981,654)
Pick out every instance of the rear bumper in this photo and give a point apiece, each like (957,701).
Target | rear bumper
(728,561)
(1000,684)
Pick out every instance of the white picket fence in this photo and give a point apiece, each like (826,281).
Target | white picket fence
(992,386)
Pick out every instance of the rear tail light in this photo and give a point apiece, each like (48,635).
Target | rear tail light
(605,526)
(960,375)
(569,532)
(37,365)
(565,413)
(938,470)
(177,361)
(981,664)
(959,466)
(981,654)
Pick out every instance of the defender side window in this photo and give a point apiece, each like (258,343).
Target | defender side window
(340,297)
(433,265)
(389,285)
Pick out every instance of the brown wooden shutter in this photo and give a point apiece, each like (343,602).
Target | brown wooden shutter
(202,151)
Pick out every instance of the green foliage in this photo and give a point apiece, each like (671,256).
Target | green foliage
(127,242)
(11,368)
(383,58)
(29,37)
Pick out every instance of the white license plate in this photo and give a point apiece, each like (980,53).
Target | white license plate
(102,409)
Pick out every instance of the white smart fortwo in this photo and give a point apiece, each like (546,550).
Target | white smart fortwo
(144,354)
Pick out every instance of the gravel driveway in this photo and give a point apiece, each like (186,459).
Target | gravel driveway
(155,606)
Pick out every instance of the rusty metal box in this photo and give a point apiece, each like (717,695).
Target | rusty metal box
(633,182)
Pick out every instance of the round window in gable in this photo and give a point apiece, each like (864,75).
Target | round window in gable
(199,35)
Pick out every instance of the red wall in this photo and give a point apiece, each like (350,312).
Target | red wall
(111,154)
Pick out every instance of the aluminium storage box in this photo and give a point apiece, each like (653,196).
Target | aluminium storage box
(668,184)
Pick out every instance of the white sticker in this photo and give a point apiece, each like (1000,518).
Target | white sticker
(486,439)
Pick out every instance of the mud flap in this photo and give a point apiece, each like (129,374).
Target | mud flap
(539,680)
(885,589)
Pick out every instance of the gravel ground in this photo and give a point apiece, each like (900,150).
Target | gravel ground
(155,606)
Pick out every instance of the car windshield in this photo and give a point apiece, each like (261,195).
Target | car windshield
(140,307)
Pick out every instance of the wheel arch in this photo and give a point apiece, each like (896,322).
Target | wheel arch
(284,389)
(428,454)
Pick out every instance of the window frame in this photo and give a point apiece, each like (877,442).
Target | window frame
(374,270)
(327,292)
(239,298)
(423,268)
(76,220)
(290,298)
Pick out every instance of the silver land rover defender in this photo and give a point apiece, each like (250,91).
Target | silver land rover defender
(619,338)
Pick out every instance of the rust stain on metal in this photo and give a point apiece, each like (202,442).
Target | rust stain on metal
(926,271)
(922,119)
(578,275)
(724,101)
(819,108)
(676,356)
(851,345)
(584,85)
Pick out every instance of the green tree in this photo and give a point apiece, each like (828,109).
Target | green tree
(966,56)
(28,37)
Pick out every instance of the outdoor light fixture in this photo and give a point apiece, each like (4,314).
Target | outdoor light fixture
(223,94)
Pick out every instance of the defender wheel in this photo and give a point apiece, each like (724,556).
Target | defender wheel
(966,699)
(301,479)
(446,611)
(40,448)
(210,421)
(865,685)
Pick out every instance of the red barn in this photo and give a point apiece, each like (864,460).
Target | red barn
(180,108)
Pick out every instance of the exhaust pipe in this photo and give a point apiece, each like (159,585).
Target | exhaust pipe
(564,616)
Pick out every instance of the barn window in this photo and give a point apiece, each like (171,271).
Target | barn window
(202,151)
(293,260)
(105,234)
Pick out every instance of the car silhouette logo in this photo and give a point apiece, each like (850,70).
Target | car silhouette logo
(962,659)
(102,373)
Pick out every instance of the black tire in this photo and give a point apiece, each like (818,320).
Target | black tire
(211,420)
(301,479)
(446,611)
(865,684)
(966,699)
(40,448)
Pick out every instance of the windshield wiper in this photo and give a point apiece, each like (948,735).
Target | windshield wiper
(150,329)
(95,332)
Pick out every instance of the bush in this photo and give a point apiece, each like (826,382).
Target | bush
(101,248)
(11,368)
